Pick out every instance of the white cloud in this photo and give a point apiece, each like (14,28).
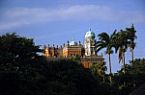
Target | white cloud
(20,16)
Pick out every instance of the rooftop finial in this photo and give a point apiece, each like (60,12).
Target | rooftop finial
(132,26)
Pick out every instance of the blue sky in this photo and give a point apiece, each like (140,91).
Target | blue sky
(57,21)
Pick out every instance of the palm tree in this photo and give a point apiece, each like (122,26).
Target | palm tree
(121,44)
(105,41)
(131,37)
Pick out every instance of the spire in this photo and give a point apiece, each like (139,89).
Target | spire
(132,26)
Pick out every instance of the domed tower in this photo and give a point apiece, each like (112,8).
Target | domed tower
(89,43)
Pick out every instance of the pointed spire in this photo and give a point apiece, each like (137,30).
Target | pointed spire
(132,26)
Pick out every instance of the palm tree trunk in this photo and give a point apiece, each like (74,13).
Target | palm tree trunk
(132,54)
(124,62)
(124,67)
(110,64)
(110,77)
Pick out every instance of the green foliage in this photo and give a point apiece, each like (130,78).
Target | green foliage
(137,66)
(62,77)
(17,56)
(123,40)
(134,77)
(98,70)
(105,41)
(16,49)
(76,58)
(72,76)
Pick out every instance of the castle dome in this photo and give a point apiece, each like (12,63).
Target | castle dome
(90,34)
(72,43)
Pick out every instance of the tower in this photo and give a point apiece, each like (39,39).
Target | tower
(89,43)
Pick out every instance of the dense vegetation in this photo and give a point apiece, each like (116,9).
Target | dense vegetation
(24,72)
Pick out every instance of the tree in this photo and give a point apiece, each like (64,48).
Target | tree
(123,40)
(137,66)
(134,77)
(120,43)
(98,70)
(131,37)
(72,76)
(15,49)
(105,41)
(17,58)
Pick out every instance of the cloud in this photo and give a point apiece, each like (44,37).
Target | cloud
(17,17)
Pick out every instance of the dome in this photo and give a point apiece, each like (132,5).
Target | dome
(90,34)
(72,43)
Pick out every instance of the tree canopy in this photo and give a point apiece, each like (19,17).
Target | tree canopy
(14,49)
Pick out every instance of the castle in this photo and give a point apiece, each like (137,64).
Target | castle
(85,51)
